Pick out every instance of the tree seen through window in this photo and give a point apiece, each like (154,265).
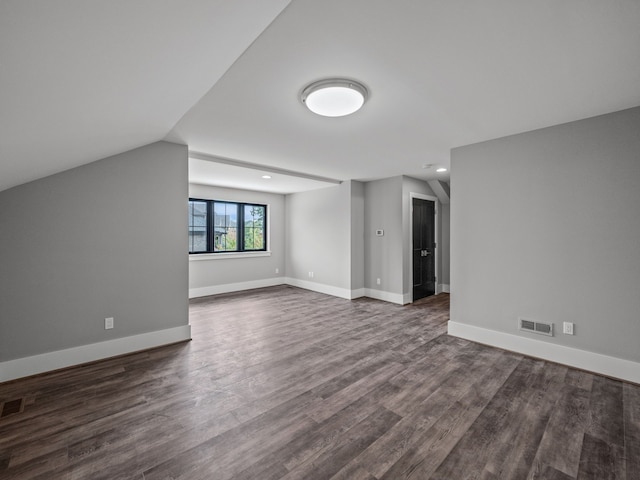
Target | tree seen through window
(217,226)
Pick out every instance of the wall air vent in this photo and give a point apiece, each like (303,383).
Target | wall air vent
(535,327)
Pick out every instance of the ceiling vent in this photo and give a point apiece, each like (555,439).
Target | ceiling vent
(536,327)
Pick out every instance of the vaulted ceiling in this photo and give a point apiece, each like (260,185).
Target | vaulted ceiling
(83,80)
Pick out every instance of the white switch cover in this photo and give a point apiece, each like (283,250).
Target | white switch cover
(567,328)
(108,323)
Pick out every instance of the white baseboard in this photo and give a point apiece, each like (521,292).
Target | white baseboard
(357,293)
(573,357)
(235,287)
(345,293)
(46,362)
(398,298)
(322,288)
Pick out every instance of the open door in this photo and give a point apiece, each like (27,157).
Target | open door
(424,248)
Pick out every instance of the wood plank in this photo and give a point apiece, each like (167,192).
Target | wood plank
(500,418)
(433,447)
(303,448)
(516,447)
(327,407)
(631,400)
(353,472)
(346,447)
(286,383)
(605,419)
(266,469)
(550,473)
(411,430)
(579,379)
(601,460)
(230,448)
(561,443)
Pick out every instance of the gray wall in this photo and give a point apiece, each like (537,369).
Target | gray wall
(318,236)
(446,257)
(546,225)
(221,271)
(388,207)
(107,239)
(409,186)
(330,232)
(383,255)
(357,235)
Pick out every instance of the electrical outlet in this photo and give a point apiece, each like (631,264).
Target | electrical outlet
(567,328)
(108,323)
(377,281)
(310,274)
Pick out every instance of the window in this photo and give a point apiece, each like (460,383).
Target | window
(197,226)
(216,226)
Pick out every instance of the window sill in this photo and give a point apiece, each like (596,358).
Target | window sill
(221,256)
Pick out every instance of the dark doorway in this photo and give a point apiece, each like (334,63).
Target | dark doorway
(424,248)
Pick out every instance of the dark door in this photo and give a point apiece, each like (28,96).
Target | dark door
(424,248)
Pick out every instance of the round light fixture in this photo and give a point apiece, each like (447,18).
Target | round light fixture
(334,97)
(266,177)
(441,169)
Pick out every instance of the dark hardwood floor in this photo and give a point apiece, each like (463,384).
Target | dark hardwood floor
(283,383)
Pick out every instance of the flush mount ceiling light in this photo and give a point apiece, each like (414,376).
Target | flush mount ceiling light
(266,177)
(441,169)
(334,97)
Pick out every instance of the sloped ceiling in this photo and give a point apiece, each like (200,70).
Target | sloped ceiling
(83,80)
(441,74)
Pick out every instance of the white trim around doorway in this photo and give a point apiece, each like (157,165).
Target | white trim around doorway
(421,196)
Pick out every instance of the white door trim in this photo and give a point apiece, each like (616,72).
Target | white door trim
(421,196)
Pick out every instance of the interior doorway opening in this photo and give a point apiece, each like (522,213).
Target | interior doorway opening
(423,246)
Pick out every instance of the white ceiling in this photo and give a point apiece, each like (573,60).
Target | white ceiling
(207,170)
(83,80)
